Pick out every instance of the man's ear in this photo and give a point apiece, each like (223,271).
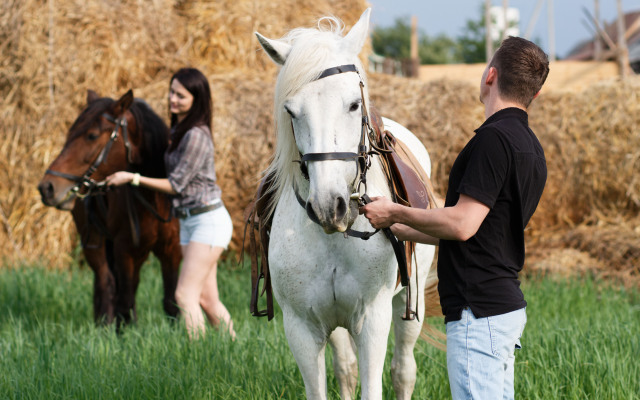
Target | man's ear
(492,75)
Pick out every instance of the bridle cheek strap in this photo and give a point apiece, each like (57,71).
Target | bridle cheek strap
(85,179)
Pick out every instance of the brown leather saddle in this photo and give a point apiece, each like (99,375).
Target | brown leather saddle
(410,186)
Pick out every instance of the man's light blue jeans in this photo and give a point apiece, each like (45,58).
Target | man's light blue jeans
(481,354)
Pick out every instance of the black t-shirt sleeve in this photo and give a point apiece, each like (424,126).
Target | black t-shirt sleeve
(487,168)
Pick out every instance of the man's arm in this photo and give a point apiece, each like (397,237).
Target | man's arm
(459,222)
(407,233)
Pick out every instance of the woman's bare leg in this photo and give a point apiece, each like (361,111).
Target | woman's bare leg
(196,265)
(198,287)
(216,312)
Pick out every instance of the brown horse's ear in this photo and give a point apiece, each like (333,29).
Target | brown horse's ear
(119,108)
(123,103)
(92,96)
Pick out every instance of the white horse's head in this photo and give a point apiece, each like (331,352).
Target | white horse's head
(317,114)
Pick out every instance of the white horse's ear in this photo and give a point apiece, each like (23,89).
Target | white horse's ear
(276,49)
(357,36)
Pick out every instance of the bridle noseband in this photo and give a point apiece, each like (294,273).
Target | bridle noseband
(85,180)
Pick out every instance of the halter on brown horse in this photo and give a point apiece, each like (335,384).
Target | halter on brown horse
(118,228)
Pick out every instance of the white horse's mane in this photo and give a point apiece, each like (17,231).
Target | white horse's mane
(311,53)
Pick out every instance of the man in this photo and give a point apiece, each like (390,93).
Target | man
(495,185)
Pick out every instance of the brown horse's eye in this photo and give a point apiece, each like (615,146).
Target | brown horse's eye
(92,136)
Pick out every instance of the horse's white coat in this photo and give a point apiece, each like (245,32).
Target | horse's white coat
(323,281)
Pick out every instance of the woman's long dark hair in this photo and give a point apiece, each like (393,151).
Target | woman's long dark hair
(201,110)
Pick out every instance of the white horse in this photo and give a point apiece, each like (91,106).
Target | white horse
(333,288)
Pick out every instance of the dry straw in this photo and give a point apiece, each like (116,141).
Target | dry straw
(53,51)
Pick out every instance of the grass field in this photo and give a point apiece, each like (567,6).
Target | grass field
(582,341)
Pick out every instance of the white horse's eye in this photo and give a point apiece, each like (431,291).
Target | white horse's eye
(354,106)
(288,110)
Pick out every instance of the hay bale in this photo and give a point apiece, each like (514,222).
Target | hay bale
(563,263)
(593,151)
(54,51)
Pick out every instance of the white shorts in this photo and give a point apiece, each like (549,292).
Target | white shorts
(212,227)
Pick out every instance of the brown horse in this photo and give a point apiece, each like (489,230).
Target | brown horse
(120,226)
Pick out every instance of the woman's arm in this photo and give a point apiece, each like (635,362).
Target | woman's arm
(123,177)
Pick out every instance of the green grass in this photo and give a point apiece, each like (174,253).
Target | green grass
(582,341)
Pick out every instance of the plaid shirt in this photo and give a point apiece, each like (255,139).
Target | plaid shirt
(191,171)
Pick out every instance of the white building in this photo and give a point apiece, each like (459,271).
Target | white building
(512,22)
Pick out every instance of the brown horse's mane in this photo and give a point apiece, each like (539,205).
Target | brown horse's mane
(155,133)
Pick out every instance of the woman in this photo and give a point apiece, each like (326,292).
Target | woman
(205,224)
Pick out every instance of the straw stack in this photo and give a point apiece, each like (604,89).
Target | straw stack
(53,51)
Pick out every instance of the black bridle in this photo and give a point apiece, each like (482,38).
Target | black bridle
(99,188)
(85,180)
(362,157)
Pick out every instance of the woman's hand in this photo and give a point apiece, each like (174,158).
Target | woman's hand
(119,178)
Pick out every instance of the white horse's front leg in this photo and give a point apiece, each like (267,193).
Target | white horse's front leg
(372,347)
(345,363)
(307,347)
(403,363)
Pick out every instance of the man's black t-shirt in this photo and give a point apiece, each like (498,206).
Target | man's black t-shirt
(503,166)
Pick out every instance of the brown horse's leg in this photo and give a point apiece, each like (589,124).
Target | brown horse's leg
(167,250)
(126,269)
(95,254)
(104,285)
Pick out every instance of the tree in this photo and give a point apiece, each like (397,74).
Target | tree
(439,50)
(395,42)
(472,45)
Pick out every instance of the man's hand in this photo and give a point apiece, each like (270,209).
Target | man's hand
(379,212)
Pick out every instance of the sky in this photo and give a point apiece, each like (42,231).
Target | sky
(450,16)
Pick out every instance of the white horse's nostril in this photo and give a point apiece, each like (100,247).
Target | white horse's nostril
(340,209)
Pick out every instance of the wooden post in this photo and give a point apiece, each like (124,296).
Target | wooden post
(505,7)
(487,24)
(597,44)
(413,67)
(414,37)
(623,51)
(532,21)
(600,31)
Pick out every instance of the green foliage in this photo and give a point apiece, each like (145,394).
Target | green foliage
(469,47)
(581,342)
(438,50)
(472,43)
(395,42)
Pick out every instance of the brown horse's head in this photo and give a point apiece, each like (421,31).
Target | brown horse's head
(105,138)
